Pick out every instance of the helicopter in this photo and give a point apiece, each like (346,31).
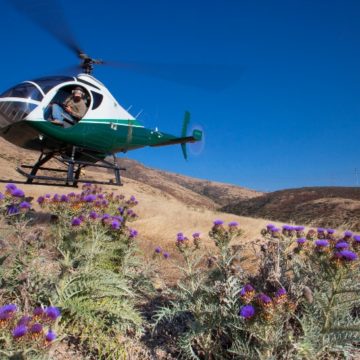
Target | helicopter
(105,129)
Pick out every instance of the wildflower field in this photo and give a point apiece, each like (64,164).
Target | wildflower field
(81,288)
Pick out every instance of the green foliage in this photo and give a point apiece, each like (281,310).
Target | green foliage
(302,303)
(89,268)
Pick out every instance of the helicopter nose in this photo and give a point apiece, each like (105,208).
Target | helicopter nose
(12,111)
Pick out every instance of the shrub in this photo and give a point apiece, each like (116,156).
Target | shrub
(301,303)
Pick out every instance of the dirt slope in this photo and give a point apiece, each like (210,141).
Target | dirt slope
(317,206)
(218,194)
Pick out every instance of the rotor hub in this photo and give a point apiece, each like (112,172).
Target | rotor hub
(88,63)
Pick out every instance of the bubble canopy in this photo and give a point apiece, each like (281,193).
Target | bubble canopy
(28,89)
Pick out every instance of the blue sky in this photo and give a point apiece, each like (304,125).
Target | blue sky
(293,117)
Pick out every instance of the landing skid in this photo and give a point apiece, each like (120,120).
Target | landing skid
(72,169)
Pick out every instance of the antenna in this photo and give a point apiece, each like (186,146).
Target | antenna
(138,114)
(129,108)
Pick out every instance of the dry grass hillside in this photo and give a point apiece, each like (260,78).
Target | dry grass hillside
(190,190)
(162,214)
(317,206)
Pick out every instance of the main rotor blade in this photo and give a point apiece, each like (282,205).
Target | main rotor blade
(49,15)
(206,76)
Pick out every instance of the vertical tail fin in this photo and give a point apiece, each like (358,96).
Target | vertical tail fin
(184,132)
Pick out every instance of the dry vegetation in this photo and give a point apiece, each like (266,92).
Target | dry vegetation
(121,303)
(337,207)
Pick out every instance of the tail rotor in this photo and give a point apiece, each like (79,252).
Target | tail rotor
(197,132)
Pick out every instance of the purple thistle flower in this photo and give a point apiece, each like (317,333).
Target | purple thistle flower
(348,234)
(52,312)
(330,231)
(19,331)
(264,299)
(132,198)
(301,240)
(246,289)
(270,226)
(9,308)
(357,238)
(76,221)
(275,229)
(17,193)
(40,200)
(72,194)
(133,233)
(233,224)
(12,210)
(299,228)
(105,217)
(118,218)
(25,205)
(36,328)
(39,311)
(64,198)
(320,230)
(247,311)
(322,243)
(348,255)
(50,336)
(196,235)
(158,250)
(287,227)
(281,292)
(342,245)
(2,196)
(180,237)
(24,320)
(121,210)
(115,225)
(7,311)
(93,215)
(104,203)
(218,222)
(166,255)
(10,187)
(5,315)
(90,198)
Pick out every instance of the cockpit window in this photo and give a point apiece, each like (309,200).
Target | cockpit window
(97,99)
(47,83)
(24,91)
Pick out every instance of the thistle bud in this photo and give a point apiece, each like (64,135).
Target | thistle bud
(308,295)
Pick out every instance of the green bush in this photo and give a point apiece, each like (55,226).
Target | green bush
(302,302)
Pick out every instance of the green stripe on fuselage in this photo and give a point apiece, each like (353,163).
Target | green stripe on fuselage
(102,135)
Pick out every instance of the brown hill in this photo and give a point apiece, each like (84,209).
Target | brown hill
(316,206)
(192,191)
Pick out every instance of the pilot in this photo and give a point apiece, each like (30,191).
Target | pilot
(72,109)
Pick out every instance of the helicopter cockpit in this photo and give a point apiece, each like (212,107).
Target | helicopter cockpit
(19,101)
(63,95)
